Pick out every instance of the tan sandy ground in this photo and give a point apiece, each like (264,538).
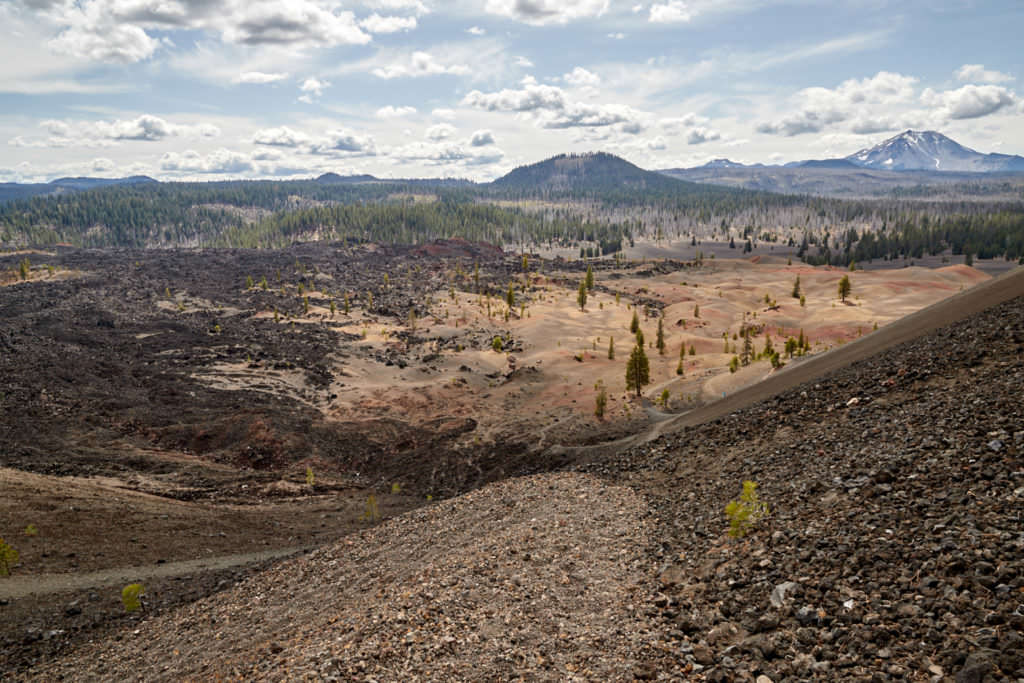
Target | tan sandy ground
(565,349)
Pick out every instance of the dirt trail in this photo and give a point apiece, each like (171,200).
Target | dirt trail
(957,307)
(15,587)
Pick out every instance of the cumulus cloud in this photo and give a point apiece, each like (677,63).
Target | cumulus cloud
(671,12)
(338,142)
(415,6)
(475,31)
(699,135)
(127,30)
(970,101)
(296,22)
(375,23)
(580,77)
(551,108)
(259,77)
(281,137)
(420,64)
(524,62)
(819,107)
(312,88)
(344,142)
(390,112)
(531,97)
(481,138)
(443,154)
(221,161)
(442,113)
(977,73)
(102,165)
(144,128)
(441,131)
(544,12)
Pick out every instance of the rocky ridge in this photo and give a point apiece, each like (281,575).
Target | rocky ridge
(894,548)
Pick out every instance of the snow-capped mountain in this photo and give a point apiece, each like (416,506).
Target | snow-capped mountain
(931,151)
(722,163)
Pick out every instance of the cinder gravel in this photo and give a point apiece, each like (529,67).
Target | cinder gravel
(539,578)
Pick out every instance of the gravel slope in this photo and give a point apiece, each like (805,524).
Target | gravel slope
(541,578)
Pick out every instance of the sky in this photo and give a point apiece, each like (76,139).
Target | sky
(218,89)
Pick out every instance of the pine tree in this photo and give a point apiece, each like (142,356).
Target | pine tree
(693,350)
(510,296)
(347,307)
(611,348)
(581,295)
(660,339)
(748,348)
(638,370)
(601,400)
(635,324)
(844,288)
(696,311)
(796,288)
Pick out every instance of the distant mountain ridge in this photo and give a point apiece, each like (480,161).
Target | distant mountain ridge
(931,151)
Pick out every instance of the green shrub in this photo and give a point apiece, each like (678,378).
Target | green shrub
(310,478)
(131,596)
(745,513)
(31,530)
(8,558)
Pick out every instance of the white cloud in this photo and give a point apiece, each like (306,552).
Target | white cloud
(420,64)
(281,137)
(524,62)
(375,23)
(221,161)
(105,43)
(818,108)
(127,30)
(482,138)
(314,86)
(616,36)
(442,113)
(476,31)
(699,135)
(970,101)
(551,108)
(531,97)
(415,6)
(445,154)
(344,142)
(580,77)
(259,77)
(390,112)
(297,22)
(102,165)
(977,73)
(544,12)
(671,12)
(441,131)
(144,128)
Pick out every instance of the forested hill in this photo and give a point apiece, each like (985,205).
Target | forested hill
(596,172)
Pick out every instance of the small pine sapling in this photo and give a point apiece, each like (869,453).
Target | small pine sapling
(746,512)
(8,558)
(131,596)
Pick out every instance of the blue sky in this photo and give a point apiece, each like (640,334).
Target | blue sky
(212,89)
